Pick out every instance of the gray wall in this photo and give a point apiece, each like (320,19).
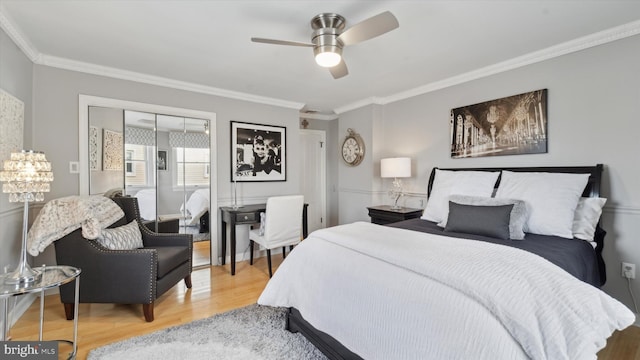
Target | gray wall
(56,98)
(16,79)
(593,118)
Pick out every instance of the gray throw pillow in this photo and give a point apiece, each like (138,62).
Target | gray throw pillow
(492,221)
(518,218)
(126,237)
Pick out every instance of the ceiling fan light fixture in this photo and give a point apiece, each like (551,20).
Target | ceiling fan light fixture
(328,56)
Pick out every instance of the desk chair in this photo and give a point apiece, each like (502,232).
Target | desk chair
(282,226)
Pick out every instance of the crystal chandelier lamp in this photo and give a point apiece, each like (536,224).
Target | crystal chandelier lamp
(26,177)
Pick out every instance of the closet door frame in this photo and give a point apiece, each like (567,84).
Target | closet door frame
(85,101)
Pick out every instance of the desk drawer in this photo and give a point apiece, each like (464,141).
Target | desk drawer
(246,217)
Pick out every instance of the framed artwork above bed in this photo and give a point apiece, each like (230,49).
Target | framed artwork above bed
(513,125)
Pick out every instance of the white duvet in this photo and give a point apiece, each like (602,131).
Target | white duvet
(388,293)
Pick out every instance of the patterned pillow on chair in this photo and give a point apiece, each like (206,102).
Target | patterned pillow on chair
(126,237)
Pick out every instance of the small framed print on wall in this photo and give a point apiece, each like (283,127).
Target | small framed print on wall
(258,152)
(163,160)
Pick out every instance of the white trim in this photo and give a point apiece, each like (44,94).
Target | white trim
(8,25)
(318,116)
(84,101)
(94,69)
(585,42)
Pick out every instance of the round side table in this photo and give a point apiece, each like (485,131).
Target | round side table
(51,277)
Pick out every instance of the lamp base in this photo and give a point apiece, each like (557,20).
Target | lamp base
(24,275)
(395,207)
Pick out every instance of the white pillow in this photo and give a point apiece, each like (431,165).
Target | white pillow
(447,183)
(551,199)
(126,237)
(586,217)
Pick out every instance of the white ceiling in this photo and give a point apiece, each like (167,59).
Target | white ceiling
(205,45)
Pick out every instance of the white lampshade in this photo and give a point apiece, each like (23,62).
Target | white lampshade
(398,167)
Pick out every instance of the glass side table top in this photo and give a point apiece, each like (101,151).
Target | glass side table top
(51,277)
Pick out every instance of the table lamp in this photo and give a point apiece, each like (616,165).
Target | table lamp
(26,177)
(399,167)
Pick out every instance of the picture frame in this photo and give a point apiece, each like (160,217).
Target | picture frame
(258,152)
(94,149)
(513,125)
(112,146)
(163,160)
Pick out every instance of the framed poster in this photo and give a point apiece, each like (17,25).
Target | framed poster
(163,160)
(258,152)
(513,125)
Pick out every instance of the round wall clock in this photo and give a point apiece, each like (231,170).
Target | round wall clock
(352,148)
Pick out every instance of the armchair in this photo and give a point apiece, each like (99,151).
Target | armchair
(136,276)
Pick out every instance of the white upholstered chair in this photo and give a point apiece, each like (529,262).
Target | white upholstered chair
(282,226)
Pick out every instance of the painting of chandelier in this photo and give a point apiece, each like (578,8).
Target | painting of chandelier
(512,125)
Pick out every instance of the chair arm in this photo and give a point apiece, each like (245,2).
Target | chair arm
(150,238)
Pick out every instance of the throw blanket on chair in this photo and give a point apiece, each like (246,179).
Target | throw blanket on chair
(62,216)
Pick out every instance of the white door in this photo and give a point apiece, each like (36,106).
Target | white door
(313,144)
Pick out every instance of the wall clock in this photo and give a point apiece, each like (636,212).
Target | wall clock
(352,148)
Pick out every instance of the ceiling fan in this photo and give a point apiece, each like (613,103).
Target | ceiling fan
(328,38)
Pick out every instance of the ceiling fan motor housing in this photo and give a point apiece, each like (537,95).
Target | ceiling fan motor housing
(327,27)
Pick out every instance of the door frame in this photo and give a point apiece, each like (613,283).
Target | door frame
(85,101)
(323,169)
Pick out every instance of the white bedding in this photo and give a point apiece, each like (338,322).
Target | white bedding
(197,205)
(388,293)
(147,203)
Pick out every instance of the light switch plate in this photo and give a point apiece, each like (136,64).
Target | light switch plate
(74,167)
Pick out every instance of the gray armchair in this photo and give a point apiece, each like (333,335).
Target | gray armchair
(137,276)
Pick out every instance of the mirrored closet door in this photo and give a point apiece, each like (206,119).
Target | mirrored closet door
(162,160)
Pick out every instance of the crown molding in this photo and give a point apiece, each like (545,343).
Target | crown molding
(585,42)
(14,32)
(94,69)
(8,25)
(374,100)
(318,116)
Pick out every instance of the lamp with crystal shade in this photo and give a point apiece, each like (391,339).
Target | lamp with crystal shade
(399,167)
(26,178)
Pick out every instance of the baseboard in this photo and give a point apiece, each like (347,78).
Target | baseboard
(637,323)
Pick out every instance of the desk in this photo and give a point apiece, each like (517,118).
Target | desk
(52,277)
(248,214)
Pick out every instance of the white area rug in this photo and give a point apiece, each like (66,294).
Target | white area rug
(252,332)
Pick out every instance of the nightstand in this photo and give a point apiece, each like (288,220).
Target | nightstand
(383,214)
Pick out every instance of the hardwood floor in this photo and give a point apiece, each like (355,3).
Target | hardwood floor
(214,291)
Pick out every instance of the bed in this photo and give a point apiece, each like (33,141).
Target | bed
(197,210)
(415,290)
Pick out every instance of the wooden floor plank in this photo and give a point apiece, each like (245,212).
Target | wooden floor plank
(214,291)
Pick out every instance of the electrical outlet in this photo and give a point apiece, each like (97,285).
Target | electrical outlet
(628,270)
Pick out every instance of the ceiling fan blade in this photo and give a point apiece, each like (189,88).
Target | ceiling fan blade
(369,28)
(281,42)
(339,70)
